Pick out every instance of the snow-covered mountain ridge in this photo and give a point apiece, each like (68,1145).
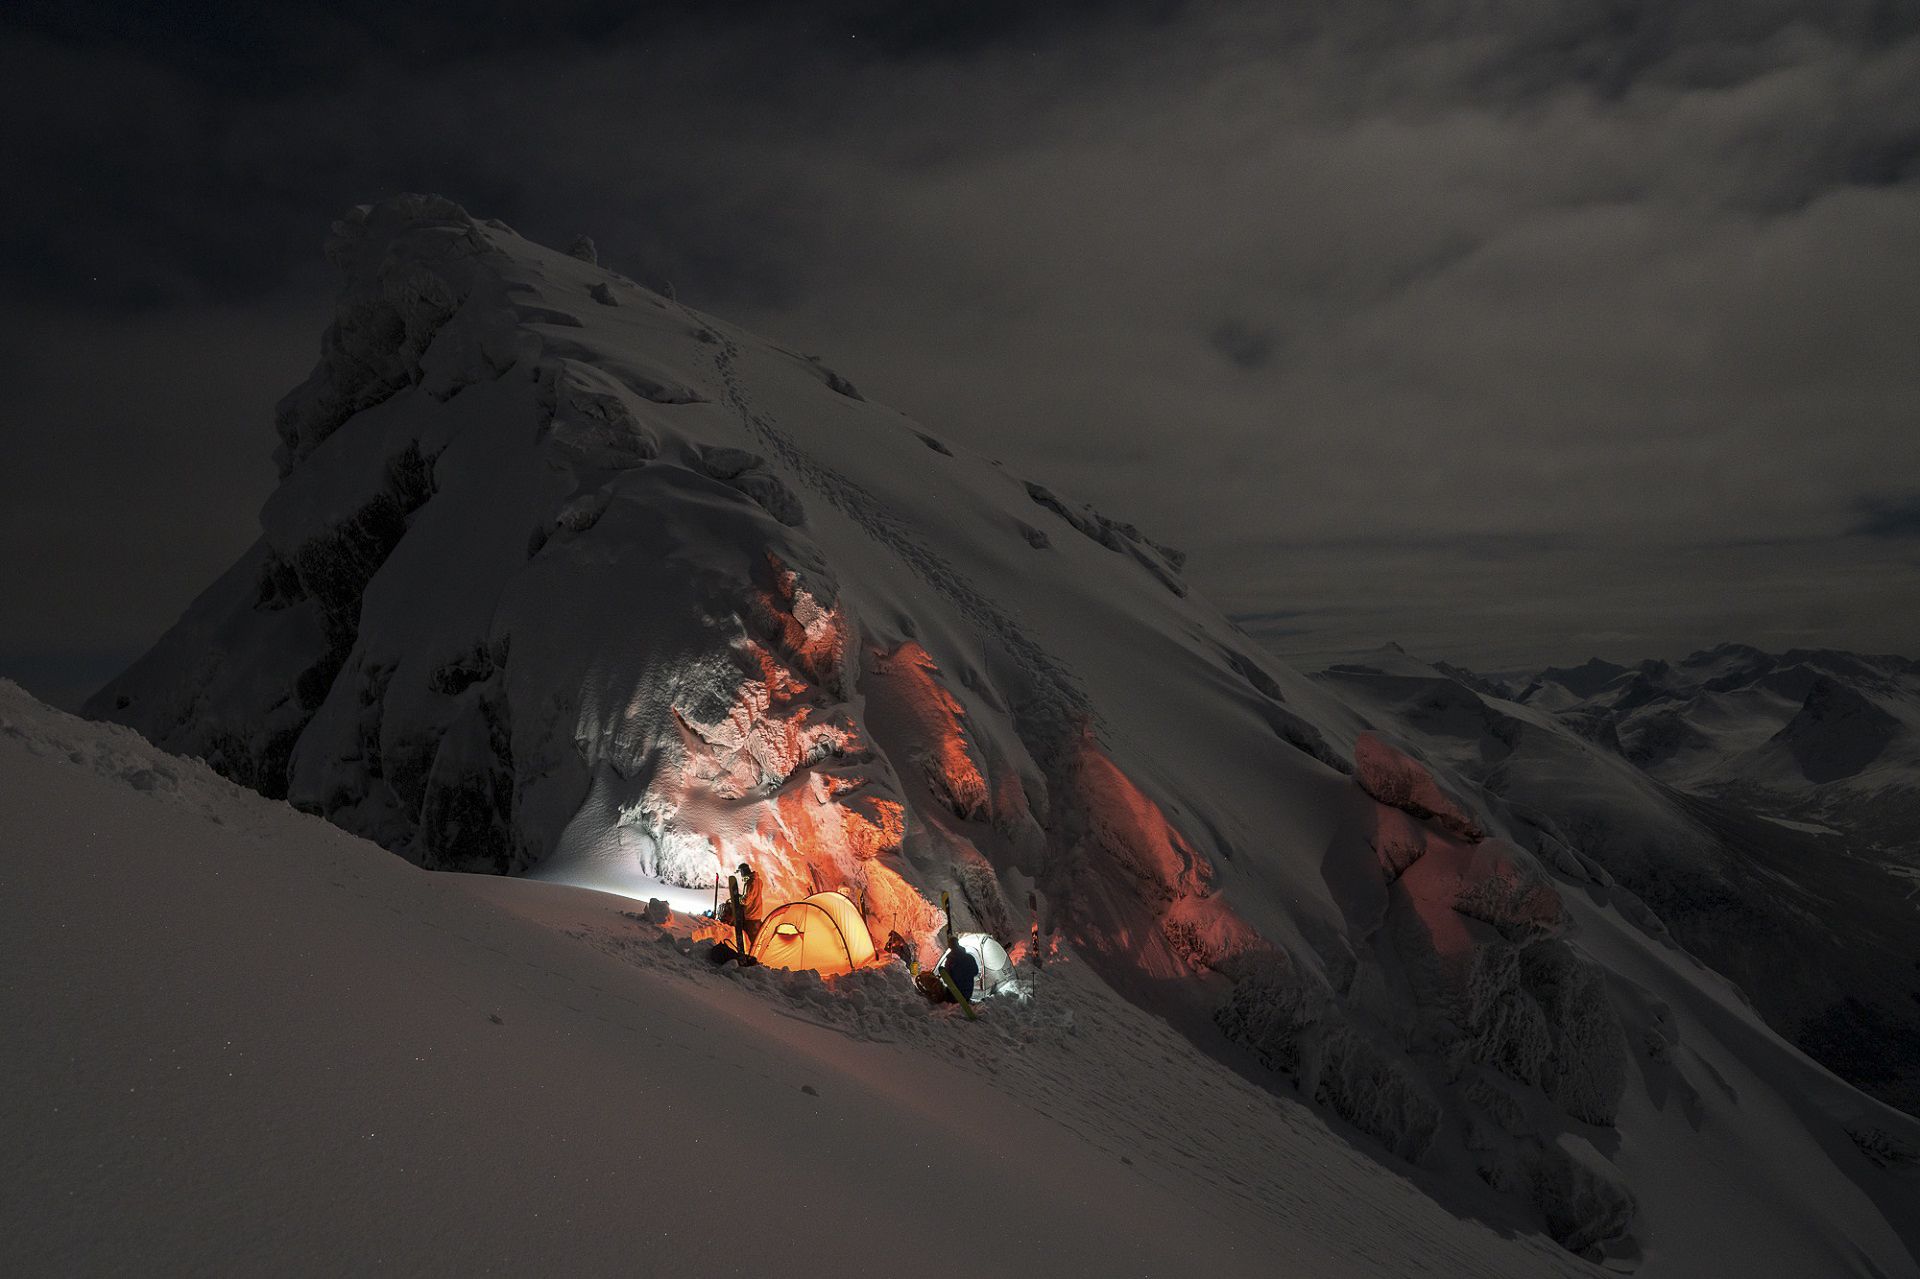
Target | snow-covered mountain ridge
(1815,735)
(566,579)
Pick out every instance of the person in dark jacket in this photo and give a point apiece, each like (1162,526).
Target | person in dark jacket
(961,967)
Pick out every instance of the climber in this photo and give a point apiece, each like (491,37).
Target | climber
(956,965)
(960,966)
(751,898)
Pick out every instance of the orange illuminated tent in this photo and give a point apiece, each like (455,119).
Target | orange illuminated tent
(823,932)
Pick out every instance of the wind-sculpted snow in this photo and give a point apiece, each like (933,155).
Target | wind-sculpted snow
(390,313)
(1295,1026)
(1163,562)
(567,580)
(1137,890)
(1502,1008)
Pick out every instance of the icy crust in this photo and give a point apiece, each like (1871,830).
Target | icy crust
(566,580)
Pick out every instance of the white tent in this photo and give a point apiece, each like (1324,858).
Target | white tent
(996,969)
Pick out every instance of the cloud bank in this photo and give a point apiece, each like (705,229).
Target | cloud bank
(1513,332)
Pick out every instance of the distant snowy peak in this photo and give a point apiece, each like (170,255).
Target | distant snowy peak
(1584,680)
(1487,685)
(1723,668)
(1838,732)
(1737,716)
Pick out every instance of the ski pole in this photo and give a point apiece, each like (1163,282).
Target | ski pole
(1033,947)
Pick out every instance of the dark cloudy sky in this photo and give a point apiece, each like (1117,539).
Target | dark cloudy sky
(1515,330)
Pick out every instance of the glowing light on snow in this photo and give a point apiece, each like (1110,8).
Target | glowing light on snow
(1153,891)
(910,684)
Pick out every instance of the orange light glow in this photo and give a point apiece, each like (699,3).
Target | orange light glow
(1152,897)
(1450,892)
(905,689)
(824,933)
(779,775)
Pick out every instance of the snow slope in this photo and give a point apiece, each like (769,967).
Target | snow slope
(248,1042)
(1825,746)
(566,579)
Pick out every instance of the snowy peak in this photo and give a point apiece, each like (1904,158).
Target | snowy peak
(1486,685)
(1838,732)
(1735,716)
(565,578)
(1584,680)
(407,267)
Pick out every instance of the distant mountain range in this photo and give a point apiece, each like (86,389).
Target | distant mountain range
(1810,733)
(1765,806)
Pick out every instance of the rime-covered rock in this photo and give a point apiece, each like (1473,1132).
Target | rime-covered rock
(1583,1196)
(1391,774)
